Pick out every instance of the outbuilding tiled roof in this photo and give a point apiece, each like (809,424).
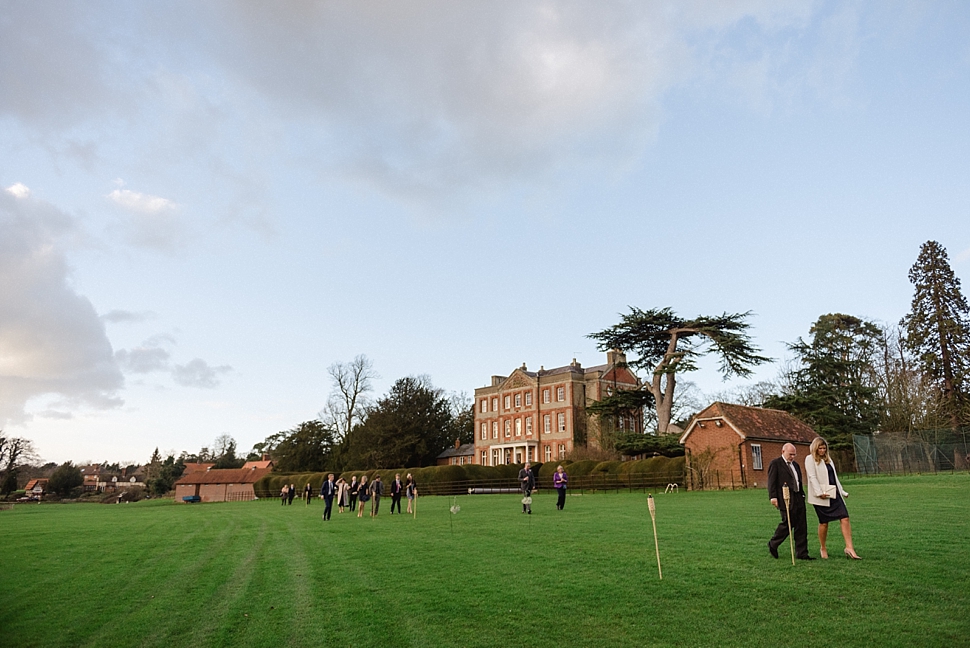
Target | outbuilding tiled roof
(223,476)
(466,450)
(756,423)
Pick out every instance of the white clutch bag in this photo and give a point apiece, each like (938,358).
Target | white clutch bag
(831,491)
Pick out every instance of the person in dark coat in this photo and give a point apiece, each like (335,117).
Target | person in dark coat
(354,486)
(784,471)
(307,493)
(527,482)
(397,489)
(327,492)
(291,494)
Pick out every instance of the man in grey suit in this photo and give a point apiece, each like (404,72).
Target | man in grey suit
(376,490)
(527,482)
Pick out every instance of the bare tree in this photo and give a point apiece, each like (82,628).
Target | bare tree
(348,401)
(14,452)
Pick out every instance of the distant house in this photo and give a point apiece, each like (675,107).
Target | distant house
(36,487)
(91,475)
(265,463)
(730,446)
(457,456)
(220,485)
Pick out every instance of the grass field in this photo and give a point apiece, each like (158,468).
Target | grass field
(258,574)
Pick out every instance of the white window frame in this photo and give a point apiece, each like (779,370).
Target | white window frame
(546,396)
(508,428)
(484,431)
(528,426)
(562,451)
(528,399)
(495,404)
(518,427)
(494,429)
(561,421)
(484,405)
(547,424)
(548,453)
(508,402)
(560,394)
(518,400)
(484,456)
(756,461)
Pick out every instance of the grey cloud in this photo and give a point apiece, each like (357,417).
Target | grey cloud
(143,360)
(52,342)
(53,65)
(198,373)
(123,316)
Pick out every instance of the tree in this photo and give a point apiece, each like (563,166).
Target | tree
(910,403)
(462,410)
(347,403)
(832,385)
(408,427)
(66,478)
(938,327)
(667,345)
(14,452)
(309,447)
(224,453)
(166,474)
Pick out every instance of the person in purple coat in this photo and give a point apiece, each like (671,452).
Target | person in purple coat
(559,480)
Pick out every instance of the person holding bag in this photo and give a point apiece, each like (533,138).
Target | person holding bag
(826,494)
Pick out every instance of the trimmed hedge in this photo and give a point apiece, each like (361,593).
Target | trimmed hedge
(457,478)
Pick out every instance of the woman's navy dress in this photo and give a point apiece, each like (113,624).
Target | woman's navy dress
(836,509)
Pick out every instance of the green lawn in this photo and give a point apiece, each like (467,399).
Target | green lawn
(258,574)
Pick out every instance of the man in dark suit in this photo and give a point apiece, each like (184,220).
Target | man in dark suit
(354,487)
(784,471)
(327,491)
(527,482)
(396,489)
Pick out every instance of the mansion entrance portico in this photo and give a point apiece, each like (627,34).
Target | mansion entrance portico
(514,453)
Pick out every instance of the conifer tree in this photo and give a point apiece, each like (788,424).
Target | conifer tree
(938,328)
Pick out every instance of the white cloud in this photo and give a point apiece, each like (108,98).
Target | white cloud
(18,190)
(52,342)
(198,373)
(963,256)
(140,203)
(150,221)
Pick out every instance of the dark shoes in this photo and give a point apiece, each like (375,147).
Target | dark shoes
(806,557)
(773,550)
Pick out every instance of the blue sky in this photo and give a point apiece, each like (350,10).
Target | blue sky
(206,205)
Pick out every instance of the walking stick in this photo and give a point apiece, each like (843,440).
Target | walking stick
(414,506)
(656,544)
(791,539)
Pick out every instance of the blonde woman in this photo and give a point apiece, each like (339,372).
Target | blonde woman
(362,496)
(826,494)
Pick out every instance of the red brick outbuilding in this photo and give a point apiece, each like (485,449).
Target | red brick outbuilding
(730,446)
(220,485)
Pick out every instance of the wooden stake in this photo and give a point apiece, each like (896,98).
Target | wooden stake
(656,543)
(791,539)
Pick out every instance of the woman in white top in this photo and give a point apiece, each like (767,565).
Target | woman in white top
(826,494)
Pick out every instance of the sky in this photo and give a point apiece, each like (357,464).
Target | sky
(205,205)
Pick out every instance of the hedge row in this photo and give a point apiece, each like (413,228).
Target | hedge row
(623,472)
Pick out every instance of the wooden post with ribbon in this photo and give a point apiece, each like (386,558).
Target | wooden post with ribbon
(791,539)
(656,544)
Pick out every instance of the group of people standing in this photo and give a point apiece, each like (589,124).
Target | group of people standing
(824,492)
(527,484)
(348,495)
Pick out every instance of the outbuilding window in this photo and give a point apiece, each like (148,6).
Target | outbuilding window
(756,456)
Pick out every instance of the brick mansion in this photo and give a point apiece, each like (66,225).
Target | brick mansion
(540,415)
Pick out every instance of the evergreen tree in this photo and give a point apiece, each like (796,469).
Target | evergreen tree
(833,389)
(668,345)
(66,478)
(938,328)
(409,427)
